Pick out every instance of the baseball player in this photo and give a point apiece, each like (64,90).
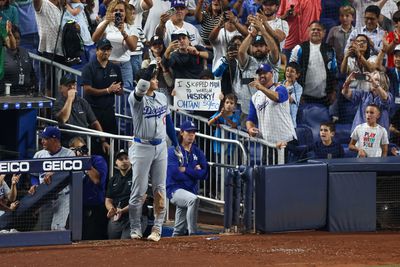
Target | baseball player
(148,153)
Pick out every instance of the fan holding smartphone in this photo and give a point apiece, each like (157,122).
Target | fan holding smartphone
(358,59)
(117,28)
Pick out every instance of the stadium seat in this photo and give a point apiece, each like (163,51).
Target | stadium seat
(342,133)
(306,142)
(311,115)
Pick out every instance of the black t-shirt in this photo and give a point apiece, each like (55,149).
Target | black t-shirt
(81,113)
(119,188)
(18,70)
(96,76)
(186,66)
(321,151)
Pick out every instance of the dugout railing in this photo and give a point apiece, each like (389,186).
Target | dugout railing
(220,153)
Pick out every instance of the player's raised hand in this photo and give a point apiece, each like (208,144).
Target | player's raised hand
(179,155)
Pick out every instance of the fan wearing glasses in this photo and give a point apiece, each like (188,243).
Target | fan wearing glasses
(94,220)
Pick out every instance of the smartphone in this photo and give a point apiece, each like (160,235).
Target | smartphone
(117,18)
(360,76)
(171,11)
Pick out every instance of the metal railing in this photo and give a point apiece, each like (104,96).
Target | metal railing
(232,149)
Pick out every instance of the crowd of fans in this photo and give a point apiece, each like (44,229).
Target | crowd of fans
(278,62)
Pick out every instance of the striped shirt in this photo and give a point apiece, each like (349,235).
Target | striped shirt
(207,25)
(140,42)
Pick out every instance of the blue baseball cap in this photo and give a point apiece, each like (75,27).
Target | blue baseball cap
(51,132)
(188,126)
(264,68)
(178,3)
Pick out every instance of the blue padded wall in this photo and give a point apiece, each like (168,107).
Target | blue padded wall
(352,201)
(291,197)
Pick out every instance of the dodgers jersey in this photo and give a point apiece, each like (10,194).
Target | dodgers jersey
(273,118)
(148,116)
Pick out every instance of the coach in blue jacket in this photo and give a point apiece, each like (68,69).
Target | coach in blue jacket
(183,178)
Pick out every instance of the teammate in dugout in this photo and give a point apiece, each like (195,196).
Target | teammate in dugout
(148,153)
(182,180)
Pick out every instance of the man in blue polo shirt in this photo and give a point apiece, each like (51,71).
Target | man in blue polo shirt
(101,80)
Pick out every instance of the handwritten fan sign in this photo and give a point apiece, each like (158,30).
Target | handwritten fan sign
(192,94)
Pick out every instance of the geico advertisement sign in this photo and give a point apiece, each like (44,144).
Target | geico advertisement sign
(47,165)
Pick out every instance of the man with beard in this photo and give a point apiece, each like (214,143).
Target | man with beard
(264,50)
(269,114)
(277,27)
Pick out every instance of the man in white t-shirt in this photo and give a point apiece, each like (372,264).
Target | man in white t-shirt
(169,24)
(278,28)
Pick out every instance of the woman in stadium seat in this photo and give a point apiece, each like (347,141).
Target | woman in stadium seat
(183,178)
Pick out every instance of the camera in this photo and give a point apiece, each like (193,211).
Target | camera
(83,150)
(360,76)
(171,11)
(225,15)
(117,18)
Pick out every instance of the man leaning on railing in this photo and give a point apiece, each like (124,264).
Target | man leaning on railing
(72,109)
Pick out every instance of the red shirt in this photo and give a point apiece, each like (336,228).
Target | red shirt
(390,56)
(306,11)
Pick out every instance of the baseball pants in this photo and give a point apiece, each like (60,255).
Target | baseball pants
(147,160)
(187,205)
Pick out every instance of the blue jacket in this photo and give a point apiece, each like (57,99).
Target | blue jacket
(93,194)
(187,180)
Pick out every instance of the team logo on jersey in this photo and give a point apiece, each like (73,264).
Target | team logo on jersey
(262,105)
(149,112)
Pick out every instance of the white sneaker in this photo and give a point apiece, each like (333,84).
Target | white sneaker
(154,236)
(136,236)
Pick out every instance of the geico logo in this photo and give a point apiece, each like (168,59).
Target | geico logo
(62,165)
(14,166)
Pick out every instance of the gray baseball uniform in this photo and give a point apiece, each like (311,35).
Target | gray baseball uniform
(148,155)
(57,210)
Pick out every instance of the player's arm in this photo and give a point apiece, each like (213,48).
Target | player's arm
(200,171)
(176,170)
(141,89)
(171,131)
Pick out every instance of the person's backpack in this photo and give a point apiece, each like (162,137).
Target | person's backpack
(72,43)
